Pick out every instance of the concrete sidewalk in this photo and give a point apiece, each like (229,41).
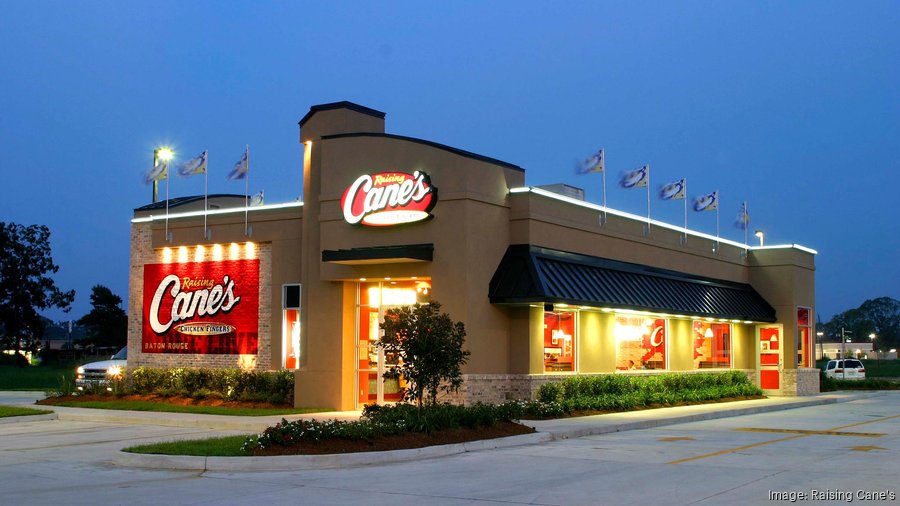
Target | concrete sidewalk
(563,428)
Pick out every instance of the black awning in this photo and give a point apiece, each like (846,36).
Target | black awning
(531,274)
(380,254)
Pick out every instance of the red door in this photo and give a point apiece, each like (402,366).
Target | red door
(770,357)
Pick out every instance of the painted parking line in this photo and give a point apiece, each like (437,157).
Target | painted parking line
(811,432)
(763,443)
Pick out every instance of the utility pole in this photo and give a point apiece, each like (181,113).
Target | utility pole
(844,351)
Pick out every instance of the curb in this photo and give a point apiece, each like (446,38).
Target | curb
(308,462)
(28,418)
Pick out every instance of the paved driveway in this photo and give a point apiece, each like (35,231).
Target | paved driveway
(831,450)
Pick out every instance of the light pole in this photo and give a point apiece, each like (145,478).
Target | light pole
(819,336)
(872,336)
(844,351)
(161,153)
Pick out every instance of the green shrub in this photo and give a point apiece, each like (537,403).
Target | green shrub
(276,387)
(613,392)
(387,420)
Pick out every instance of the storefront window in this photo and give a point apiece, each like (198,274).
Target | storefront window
(290,326)
(374,299)
(803,334)
(640,343)
(559,342)
(712,345)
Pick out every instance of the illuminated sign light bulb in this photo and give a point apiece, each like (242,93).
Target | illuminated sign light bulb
(250,251)
(182,254)
(199,254)
(217,252)
(234,251)
(167,255)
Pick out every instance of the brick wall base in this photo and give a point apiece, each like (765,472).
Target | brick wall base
(499,388)
(803,381)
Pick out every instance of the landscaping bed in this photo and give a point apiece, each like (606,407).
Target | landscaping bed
(398,441)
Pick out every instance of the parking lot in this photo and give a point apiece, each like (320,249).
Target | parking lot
(825,452)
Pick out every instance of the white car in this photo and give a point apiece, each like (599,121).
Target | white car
(850,369)
(99,374)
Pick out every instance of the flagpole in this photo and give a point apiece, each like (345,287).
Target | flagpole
(246,193)
(206,196)
(648,199)
(718,204)
(745,218)
(167,200)
(604,190)
(685,209)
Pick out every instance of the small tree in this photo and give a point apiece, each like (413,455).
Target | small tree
(25,284)
(107,322)
(429,346)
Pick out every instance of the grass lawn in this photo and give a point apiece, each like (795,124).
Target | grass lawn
(6,411)
(35,377)
(228,446)
(174,408)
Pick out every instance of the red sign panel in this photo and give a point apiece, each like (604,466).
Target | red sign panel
(389,198)
(201,307)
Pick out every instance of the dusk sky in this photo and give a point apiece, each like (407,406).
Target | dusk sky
(791,106)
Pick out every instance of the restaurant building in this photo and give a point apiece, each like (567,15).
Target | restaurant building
(547,284)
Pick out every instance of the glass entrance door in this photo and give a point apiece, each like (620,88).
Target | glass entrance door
(375,298)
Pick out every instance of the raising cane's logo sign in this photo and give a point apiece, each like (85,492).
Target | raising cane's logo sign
(389,198)
(201,307)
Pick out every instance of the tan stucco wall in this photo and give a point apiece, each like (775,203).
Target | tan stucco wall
(681,345)
(786,279)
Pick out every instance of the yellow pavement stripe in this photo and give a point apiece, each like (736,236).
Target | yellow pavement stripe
(863,423)
(866,448)
(754,445)
(676,438)
(732,450)
(811,432)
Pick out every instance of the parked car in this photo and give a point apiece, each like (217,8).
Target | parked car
(101,374)
(849,368)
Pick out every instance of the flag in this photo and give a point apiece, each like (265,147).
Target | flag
(673,191)
(592,164)
(637,178)
(708,202)
(159,172)
(241,168)
(743,218)
(193,166)
(257,200)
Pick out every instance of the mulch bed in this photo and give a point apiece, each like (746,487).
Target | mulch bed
(399,442)
(177,401)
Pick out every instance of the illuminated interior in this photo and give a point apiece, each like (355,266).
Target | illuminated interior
(559,341)
(712,345)
(804,332)
(375,297)
(640,342)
